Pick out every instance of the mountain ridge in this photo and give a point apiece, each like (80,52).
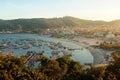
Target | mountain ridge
(43,23)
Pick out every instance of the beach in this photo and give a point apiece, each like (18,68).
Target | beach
(99,55)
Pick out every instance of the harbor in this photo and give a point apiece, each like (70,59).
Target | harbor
(53,48)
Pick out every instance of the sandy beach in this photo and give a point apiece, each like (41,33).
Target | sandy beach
(99,55)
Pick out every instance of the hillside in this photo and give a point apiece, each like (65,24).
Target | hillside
(43,23)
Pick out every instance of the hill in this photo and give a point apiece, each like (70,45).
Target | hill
(43,23)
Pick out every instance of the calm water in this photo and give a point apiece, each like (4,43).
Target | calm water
(83,55)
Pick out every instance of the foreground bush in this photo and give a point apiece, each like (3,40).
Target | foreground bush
(64,68)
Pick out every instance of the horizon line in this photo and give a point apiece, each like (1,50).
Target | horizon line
(60,17)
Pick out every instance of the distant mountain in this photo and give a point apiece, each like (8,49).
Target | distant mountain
(115,22)
(43,23)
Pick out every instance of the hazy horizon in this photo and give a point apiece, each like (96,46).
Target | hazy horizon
(106,10)
(61,17)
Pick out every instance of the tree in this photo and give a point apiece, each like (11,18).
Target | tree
(95,73)
(73,71)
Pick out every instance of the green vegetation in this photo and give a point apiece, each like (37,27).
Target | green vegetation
(36,25)
(64,68)
(57,35)
(108,46)
(39,23)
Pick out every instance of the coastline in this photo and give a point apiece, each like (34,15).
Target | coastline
(98,55)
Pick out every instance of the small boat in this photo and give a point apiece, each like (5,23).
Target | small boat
(16,47)
(67,53)
(26,47)
(52,47)
(3,46)
(55,52)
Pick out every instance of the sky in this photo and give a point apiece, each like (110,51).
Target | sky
(84,9)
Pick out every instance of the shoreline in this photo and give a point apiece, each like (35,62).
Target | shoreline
(98,56)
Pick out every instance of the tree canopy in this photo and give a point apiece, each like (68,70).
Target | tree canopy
(64,68)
